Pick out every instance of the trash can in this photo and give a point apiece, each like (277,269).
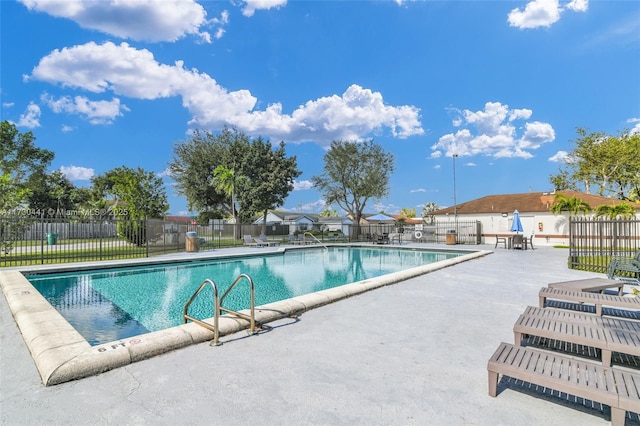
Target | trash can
(193,242)
(52,238)
(451,237)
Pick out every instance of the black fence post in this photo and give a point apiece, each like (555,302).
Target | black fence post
(146,235)
(42,236)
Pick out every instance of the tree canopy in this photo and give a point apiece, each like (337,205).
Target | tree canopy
(19,158)
(252,177)
(408,212)
(54,192)
(609,163)
(135,193)
(354,173)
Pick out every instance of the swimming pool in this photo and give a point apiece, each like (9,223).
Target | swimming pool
(61,353)
(107,305)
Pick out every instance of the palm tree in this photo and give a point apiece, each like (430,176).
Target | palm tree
(624,210)
(573,205)
(226,181)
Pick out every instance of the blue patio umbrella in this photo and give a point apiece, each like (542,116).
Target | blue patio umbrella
(380,217)
(516,225)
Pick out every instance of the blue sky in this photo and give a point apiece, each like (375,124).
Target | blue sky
(502,84)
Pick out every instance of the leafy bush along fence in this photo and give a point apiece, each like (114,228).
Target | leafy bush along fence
(42,240)
(593,241)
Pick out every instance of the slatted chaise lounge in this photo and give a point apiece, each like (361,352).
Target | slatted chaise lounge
(598,336)
(248,241)
(616,388)
(597,299)
(581,317)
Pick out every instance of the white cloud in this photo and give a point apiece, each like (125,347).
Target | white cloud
(253,5)
(66,129)
(495,133)
(636,128)
(387,208)
(97,112)
(302,185)
(535,134)
(134,73)
(578,5)
(418,190)
(437,166)
(311,207)
(149,20)
(8,104)
(470,164)
(31,117)
(166,173)
(543,13)
(559,157)
(77,173)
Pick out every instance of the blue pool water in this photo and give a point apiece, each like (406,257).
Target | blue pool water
(110,304)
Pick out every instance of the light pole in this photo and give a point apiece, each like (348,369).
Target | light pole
(455,203)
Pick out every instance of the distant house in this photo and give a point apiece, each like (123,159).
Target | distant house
(300,222)
(495,212)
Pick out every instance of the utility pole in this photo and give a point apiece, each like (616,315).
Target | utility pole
(455,203)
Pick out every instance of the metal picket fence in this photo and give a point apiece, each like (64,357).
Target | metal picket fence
(593,241)
(28,240)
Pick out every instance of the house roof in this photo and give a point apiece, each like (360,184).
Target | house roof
(530,202)
(180,219)
(313,217)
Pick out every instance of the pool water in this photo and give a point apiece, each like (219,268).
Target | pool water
(111,304)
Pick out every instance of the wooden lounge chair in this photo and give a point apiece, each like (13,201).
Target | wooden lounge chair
(607,340)
(248,241)
(616,388)
(581,317)
(263,240)
(597,299)
(293,239)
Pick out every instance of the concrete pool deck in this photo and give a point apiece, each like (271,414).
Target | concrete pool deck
(411,353)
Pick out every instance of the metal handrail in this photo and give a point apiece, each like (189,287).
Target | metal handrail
(218,308)
(315,238)
(252,304)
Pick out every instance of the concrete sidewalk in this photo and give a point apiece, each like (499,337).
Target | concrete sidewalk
(412,353)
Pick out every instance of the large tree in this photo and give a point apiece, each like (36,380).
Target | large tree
(609,163)
(251,176)
(354,173)
(55,194)
(19,158)
(270,176)
(192,166)
(134,193)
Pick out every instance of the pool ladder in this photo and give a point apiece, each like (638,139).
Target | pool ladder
(319,242)
(219,309)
